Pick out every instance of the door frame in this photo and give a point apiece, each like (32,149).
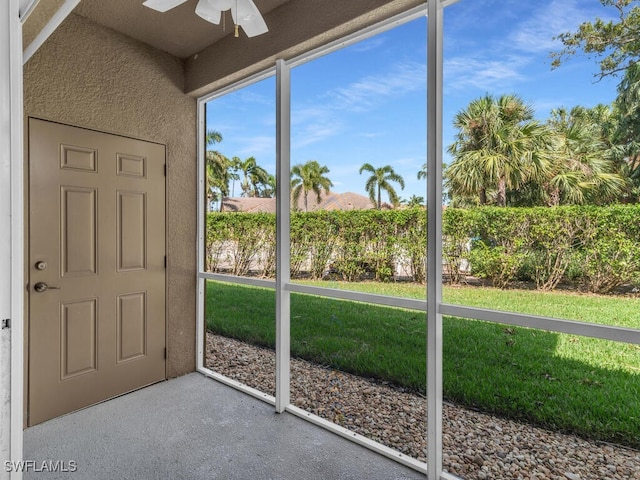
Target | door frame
(26,342)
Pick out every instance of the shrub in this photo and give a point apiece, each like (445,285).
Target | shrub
(380,235)
(411,242)
(267,263)
(504,238)
(554,232)
(610,263)
(596,246)
(246,239)
(216,239)
(351,247)
(313,236)
(457,225)
(495,263)
(610,250)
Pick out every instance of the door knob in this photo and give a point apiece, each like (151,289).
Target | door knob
(43,287)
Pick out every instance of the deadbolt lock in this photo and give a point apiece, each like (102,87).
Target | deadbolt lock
(41,265)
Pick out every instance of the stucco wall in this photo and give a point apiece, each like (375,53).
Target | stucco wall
(89,76)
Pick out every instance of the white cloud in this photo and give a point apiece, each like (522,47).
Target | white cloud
(371,134)
(302,115)
(536,33)
(315,131)
(483,73)
(366,93)
(313,124)
(370,44)
(258,146)
(321,117)
(249,97)
(412,162)
(506,62)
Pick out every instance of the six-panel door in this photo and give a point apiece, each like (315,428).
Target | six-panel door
(97,267)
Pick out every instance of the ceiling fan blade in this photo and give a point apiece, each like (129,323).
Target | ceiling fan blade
(162,5)
(221,5)
(255,27)
(208,11)
(246,14)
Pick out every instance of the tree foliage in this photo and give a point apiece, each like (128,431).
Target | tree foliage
(625,135)
(221,171)
(596,248)
(498,147)
(216,169)
(581,168)
(253,176)
(382,179)
(616,44)
(502,156)
(414,201)
(309,177)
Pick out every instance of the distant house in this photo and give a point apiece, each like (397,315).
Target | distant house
(331,201)
(248,204)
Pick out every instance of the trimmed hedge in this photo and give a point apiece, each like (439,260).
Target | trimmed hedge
(349,245)
(595,247)
(600,246)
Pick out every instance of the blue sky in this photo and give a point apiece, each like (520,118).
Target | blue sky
(367,102)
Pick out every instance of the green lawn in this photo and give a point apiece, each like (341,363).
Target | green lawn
(563,382)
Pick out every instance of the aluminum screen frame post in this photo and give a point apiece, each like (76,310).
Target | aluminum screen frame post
(435,15)
(11,243)
(26,8)
(201,287)
(283,235)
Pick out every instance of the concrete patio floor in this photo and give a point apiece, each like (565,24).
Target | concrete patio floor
(194,427)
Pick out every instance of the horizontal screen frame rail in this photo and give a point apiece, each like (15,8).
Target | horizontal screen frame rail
(572,327)
(372,298)
(557,325)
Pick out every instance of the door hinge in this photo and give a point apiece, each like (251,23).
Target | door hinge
(165,169)
(165,261)
(165,353)
(6,323)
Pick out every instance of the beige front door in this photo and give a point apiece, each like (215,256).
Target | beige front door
(96,267)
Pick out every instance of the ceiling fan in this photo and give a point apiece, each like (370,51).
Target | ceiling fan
(244,13)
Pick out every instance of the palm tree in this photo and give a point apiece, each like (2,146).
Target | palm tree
(499,146)
(259,177)
(379,180)
(212,137)
(466,182)
(309,177)
(422,173)
(268,187)
(582,170)
(253,175)
(216,169)
(234,165)
(626,132)
(413,201)
(217,175)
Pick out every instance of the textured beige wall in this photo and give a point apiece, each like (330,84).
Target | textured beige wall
(89,76)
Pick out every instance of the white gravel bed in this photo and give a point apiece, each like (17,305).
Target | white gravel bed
(476,445)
